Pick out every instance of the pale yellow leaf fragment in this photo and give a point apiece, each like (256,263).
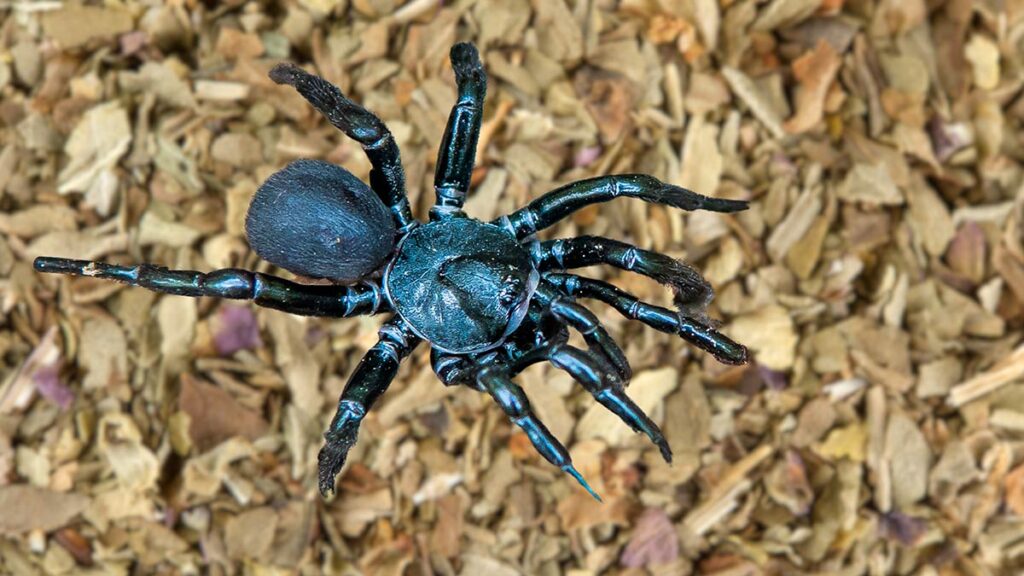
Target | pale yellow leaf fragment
(725,495)
(155,230)
(702,162)
(983,54)
(910,460)
(103,352)
(94,148)
(769,332)
(848,442)
(796,223)
(249,534)
(929,217)
(300,369)
(120,442)
(870,183)
(177,318)
(759,103)
(781,13)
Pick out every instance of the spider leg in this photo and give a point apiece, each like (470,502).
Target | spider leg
(387,177)
(593,374)
(370,379)
(451,369)
(577,316)
(692,292)
(494,379)
(561,202)
(263,289)
(458,147)
(663,319)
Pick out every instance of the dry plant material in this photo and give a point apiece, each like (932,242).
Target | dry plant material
(815,72)
(878,277)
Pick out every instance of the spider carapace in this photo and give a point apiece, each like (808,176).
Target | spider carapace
(488,298)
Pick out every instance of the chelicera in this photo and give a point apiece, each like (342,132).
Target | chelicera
(487,297)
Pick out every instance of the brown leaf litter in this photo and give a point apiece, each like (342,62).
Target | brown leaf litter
(878,279)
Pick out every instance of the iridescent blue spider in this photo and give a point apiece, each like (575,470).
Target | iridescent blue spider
(486,296)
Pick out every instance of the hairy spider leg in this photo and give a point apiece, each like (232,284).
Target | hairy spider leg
(369,380)
(577,316)
(510,397)
(691,291)
(563,201)
(457,154)
(700,335)
(263,289)
(593,374)
(387,178)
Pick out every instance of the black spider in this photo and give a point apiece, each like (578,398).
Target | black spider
(487,297)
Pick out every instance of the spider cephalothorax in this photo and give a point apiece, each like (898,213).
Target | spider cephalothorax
(487,297)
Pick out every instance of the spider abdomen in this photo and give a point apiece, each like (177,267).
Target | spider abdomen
(461,284)
(318,220)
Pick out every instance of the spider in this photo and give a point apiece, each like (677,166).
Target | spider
(487,297)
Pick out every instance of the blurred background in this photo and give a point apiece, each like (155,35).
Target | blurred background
(878,279)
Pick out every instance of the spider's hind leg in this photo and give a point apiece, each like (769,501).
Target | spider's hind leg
(494,379)
(563,307)
(457,153)
(387,177)
(597,378)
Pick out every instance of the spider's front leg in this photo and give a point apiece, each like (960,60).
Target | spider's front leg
(457,154)
(370,379)
(387,177)
(600,381)
(561,202)
(263,289)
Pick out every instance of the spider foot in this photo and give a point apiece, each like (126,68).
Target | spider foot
(688,200)
(571,470)
(357,122)
(615,400)
(340,438)
(466,63)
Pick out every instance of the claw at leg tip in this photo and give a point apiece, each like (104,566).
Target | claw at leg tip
(569,469)
(666,452)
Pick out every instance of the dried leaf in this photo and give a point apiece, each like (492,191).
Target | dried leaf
(29,508)
(654,541)
(870,183)
(236,329)
(74,25)
(770,334)
(815,71)
(910,459)
(95,147)
(214,416)
(249,535)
